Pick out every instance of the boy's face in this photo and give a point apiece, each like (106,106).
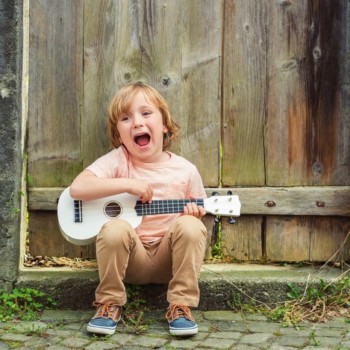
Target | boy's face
(142,130)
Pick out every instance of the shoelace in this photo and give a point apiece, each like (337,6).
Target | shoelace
(175,311)
(105,310)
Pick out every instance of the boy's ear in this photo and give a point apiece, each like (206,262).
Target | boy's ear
(165,129)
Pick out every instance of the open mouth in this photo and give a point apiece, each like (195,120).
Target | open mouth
(142,139)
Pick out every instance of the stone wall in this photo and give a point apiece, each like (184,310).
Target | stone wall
(10,138)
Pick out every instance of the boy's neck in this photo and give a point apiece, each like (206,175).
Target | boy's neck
(164,157)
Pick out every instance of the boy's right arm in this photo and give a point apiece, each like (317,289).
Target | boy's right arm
(87,186)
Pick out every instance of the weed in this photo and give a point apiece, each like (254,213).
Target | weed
(237,304)
(12,202)
(216,239)
(24,303)
(313,339)
(134,311)
(294,292)
(316,303)
(33,330)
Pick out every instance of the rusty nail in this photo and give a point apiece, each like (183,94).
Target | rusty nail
(270,204)
(321,204)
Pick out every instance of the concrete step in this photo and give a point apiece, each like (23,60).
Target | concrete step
(220,284)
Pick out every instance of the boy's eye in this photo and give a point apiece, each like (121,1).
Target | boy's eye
(146,113)
(124,117)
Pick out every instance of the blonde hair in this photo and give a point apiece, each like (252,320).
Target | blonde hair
(121,104)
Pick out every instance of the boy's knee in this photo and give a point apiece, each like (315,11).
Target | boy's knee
(114,231)
(190,226)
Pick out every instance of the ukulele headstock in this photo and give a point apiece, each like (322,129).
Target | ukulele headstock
(223,205)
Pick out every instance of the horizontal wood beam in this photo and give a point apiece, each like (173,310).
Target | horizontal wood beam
(325,201)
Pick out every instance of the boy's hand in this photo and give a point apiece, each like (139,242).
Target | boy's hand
(142,189)
(194,210)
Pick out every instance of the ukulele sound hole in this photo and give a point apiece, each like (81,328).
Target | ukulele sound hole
(113,209)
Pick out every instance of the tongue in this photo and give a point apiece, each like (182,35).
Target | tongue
(142,140)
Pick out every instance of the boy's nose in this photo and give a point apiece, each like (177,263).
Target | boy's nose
(138,120)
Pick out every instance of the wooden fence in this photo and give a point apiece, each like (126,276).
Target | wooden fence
(259,87)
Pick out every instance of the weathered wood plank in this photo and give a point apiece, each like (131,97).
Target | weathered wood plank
(307,239)
(45,238)
(112,58)
(243,240)
(305,130)
(342,174)
(284,98)
(136,41)
(323,201)
(198,107)
(304,127)
(55,91)
(244,93)
(287,239)
(318,201)
(330,239)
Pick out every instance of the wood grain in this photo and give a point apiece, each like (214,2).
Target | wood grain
(243,240)
(244,93)
(47,240)
(55,92)
(307,239)
(304,133)
(199,110)
(260,89)
(316,201)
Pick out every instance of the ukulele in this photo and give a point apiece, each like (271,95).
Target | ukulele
(81,221)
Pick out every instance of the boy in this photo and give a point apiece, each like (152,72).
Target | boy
(167,248)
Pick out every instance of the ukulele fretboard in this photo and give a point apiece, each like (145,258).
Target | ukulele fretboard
(166,206)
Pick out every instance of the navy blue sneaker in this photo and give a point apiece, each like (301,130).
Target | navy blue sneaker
(105,320)
(181,321)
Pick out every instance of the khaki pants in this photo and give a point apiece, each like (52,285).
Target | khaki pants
(176,260)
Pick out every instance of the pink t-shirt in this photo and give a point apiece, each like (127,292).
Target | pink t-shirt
(176,178)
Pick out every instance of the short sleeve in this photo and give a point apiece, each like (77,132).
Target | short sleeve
(110,165)
(195,187)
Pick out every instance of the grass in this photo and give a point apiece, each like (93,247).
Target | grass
(315,302)
(134,311)
(318,302)
(24,304)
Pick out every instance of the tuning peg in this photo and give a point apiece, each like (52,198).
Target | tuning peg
(231,220)
(229,192)
(215,193)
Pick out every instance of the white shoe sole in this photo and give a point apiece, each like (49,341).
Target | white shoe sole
(101,330)
(183,331)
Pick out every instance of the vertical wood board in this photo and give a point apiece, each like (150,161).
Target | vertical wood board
(307,238)
(47,240)
(244,93)
(199,109)
(112,58)
(343,127)
(242,241)
(303,93)
(136,41)
(55,91)
(266,76)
